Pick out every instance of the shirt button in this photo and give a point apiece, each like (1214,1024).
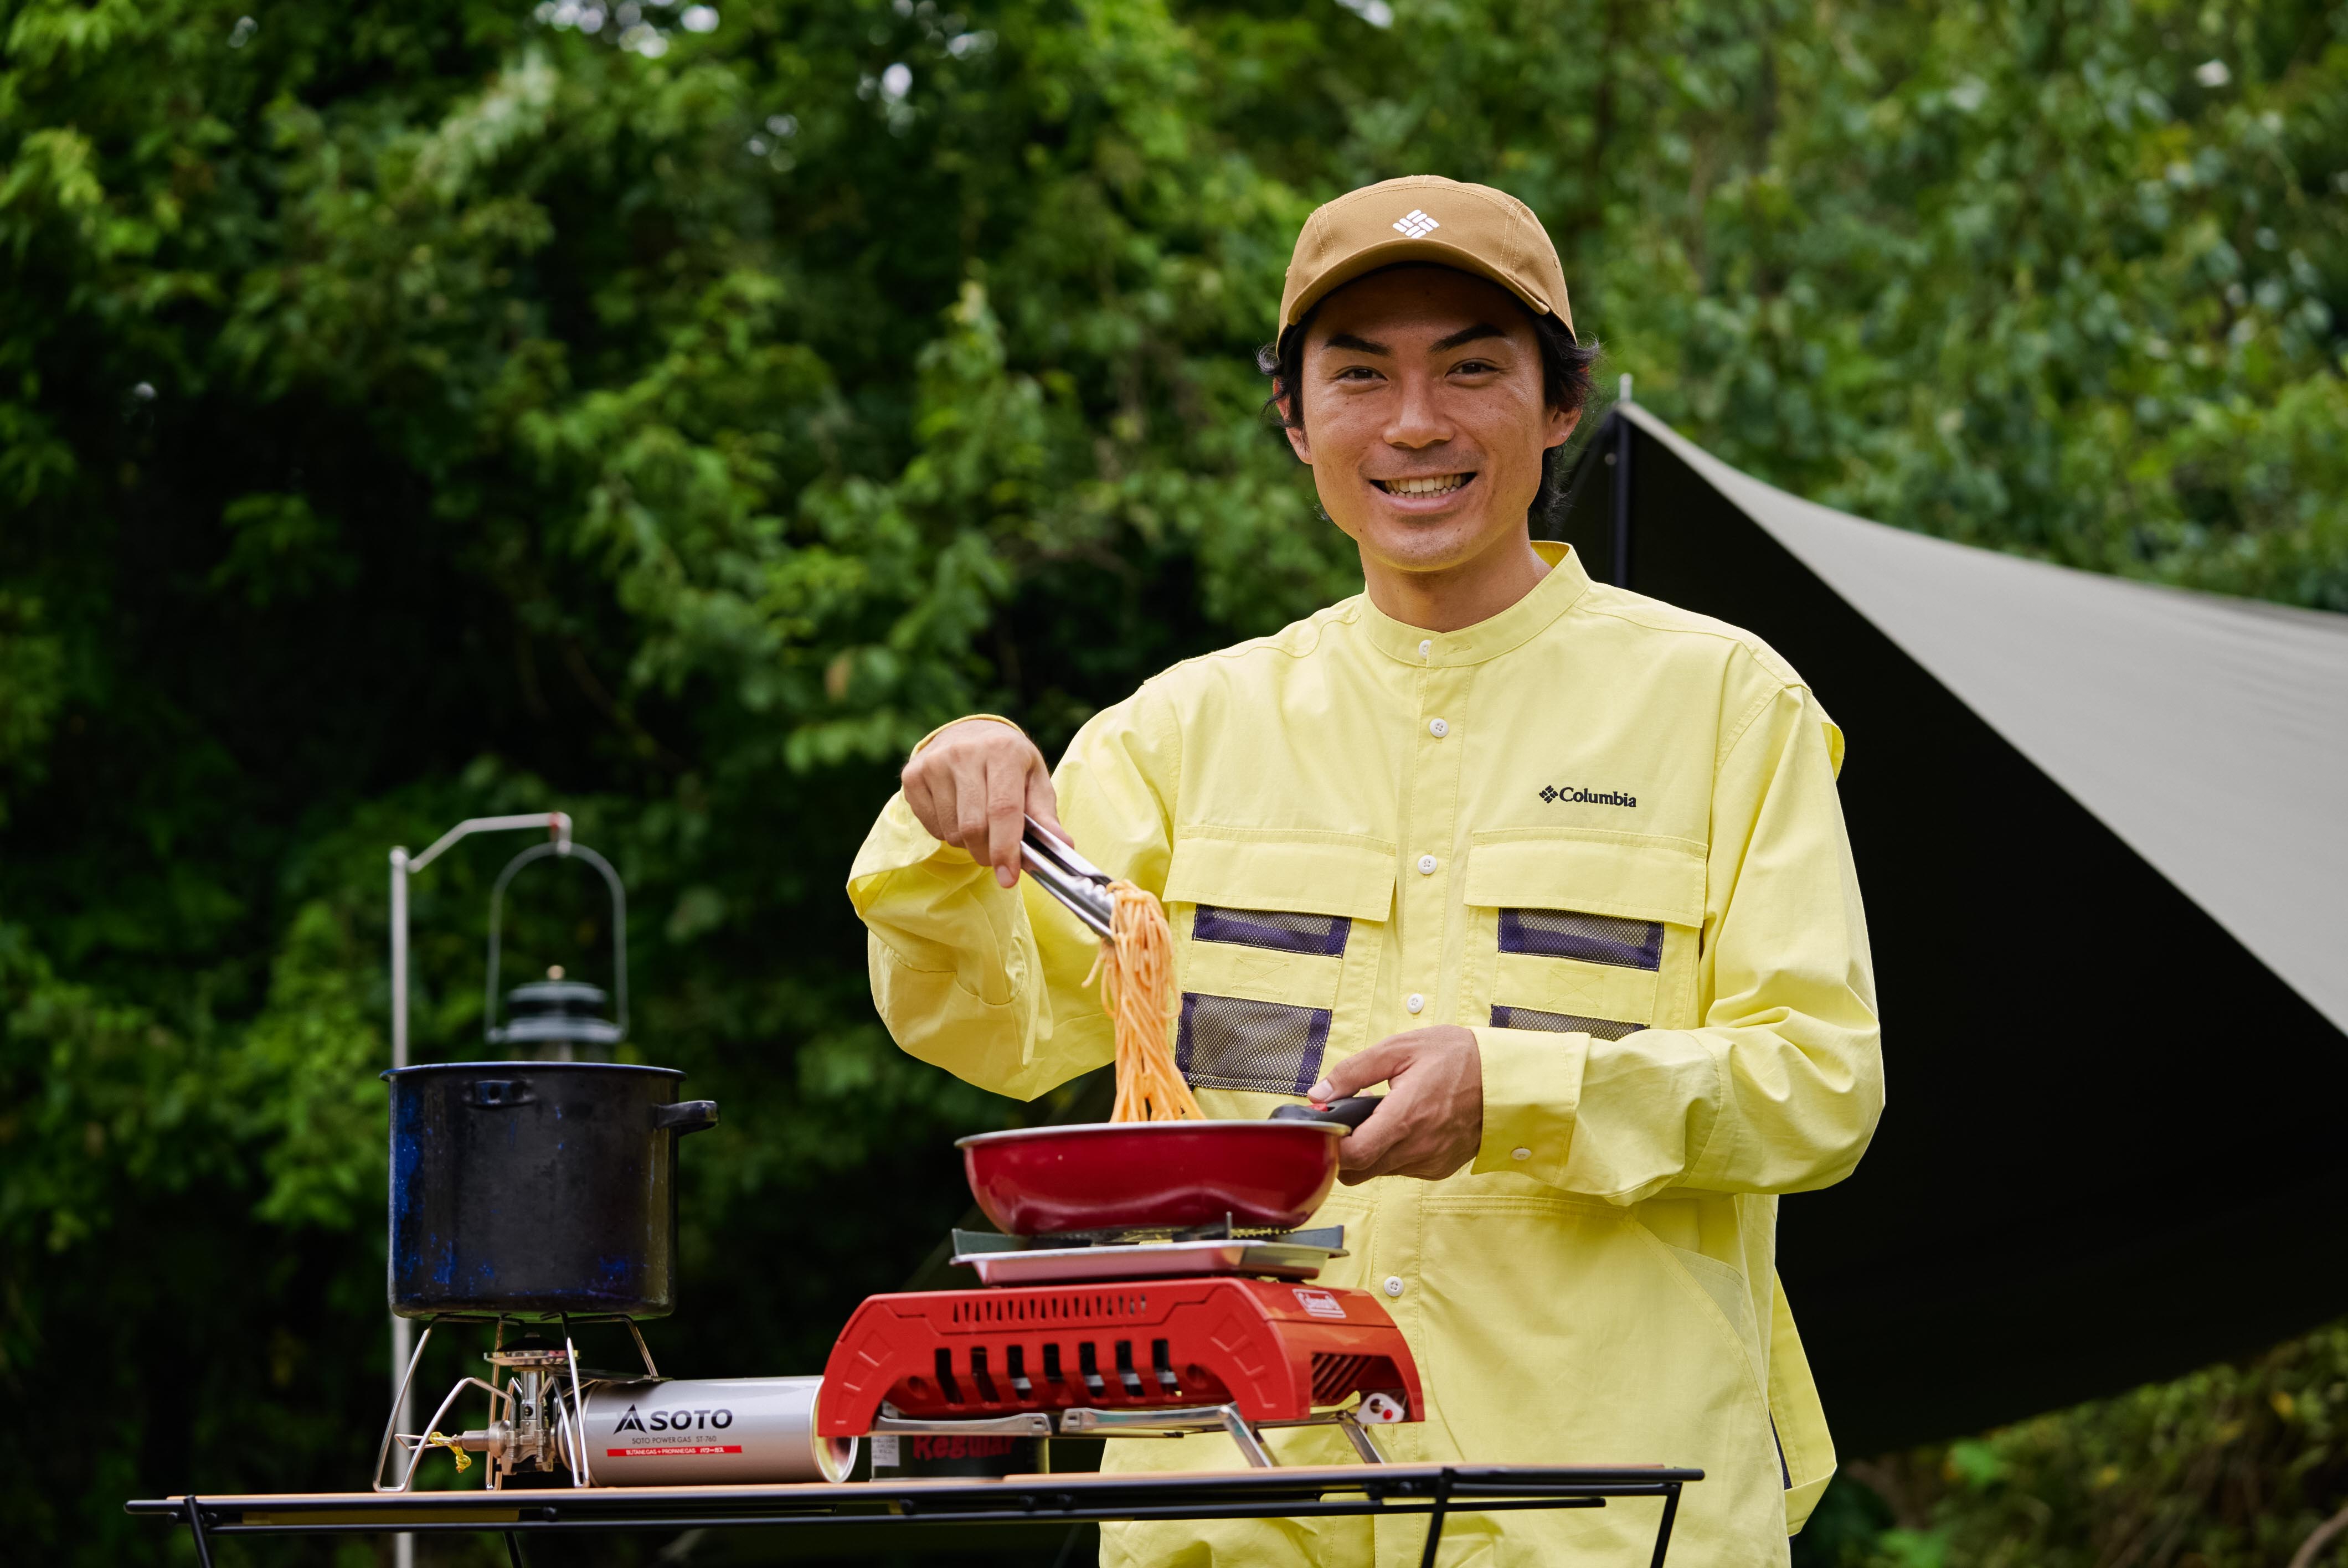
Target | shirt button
(1415,1002)
(1393,1284)
(1438,728)
(1520,1154)
(1426,866)
(1427,648)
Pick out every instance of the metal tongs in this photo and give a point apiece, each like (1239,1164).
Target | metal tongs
(1066,876)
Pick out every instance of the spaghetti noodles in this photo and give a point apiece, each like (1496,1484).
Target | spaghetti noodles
(1135,968)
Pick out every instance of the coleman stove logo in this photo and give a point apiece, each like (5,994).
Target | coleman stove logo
(1320,1303)
(674,1420)
(1552,794)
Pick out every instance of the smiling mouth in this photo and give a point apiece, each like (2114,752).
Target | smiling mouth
(1427,484)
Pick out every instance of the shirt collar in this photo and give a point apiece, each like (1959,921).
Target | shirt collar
(1489,638)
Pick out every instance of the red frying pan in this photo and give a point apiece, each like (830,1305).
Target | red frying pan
(1134,1175)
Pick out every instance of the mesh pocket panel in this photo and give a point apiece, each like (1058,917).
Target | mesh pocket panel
(1274,928)
(1563,1022)
(1232,1042)
(1593,938)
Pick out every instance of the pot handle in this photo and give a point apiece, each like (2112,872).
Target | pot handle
(1352,1110)
(686,1115)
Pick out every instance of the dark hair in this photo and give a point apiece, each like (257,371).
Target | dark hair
(1565,386)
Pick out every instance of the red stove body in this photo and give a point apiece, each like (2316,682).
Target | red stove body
(1275,1351)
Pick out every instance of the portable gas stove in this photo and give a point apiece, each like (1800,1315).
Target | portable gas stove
(1125,1334)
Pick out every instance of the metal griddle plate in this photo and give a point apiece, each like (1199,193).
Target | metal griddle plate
(1264,1258)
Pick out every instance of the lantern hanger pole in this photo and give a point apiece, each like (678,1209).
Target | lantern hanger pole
(558,828)
(556,823)
(403,865)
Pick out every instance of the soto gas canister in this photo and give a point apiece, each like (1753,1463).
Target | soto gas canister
(712,1430)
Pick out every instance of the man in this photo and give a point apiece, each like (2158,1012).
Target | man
(1562,867)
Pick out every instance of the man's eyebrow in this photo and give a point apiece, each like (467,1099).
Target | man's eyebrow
(1467,335)
(1357,344)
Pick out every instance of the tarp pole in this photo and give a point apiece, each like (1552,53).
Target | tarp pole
(1621,551)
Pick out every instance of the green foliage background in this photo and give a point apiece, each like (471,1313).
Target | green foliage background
(410,410)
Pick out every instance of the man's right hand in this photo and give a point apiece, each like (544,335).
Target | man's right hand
(975,784)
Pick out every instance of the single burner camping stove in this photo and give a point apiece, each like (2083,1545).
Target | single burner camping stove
(1127,1334)
(535,1432)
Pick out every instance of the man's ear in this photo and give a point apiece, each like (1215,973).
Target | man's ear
(1562,424)
(1297,443)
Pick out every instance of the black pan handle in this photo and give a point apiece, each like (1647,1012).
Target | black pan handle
(1352,1110)
(686,1115)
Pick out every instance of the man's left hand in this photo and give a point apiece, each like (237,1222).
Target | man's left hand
(1433,1119)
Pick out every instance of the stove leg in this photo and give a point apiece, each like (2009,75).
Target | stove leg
(581,1474)
(399,1403)
(513,1549)
(1434,1518)
(196,1530)
(1250,1442)
(641,1349)
(1359,1436)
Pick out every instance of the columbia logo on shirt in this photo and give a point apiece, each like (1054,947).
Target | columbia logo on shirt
(1580,796)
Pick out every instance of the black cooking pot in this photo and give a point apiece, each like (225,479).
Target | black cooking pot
(536,1190)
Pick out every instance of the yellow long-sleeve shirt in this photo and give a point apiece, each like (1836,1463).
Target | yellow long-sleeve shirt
(1602,833)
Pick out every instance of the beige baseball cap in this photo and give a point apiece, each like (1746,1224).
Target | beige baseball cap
(1424,217)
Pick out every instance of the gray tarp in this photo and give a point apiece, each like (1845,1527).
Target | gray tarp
(2102,831)
(2210,734)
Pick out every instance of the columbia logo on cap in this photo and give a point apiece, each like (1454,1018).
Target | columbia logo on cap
(1415,224)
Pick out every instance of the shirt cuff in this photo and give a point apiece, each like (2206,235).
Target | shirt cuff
(898,842)
(950,723)
(1532,1092)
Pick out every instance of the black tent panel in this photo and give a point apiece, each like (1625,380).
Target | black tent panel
(2112,1150)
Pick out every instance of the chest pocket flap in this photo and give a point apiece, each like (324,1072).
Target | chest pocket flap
(1633,876)
(1293,873)
(1586,931)
(1284,928)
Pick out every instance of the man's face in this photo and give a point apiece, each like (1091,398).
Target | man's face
(1424,418)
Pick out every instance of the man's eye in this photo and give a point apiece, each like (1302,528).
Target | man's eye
(1475,367)
(1357,372)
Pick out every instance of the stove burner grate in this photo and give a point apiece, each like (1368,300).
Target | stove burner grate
(1110,1256)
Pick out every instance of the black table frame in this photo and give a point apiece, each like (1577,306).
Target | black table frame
(1434,1492)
